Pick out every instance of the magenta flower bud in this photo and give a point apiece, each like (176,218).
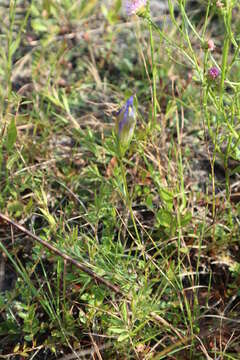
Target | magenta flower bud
(134,6)
(213,73)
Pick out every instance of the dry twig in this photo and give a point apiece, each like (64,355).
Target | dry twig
(66,257)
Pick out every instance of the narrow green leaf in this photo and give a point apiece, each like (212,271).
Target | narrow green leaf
(11,135)
(123,337)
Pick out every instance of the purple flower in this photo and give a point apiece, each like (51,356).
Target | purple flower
(213,72)
(134,6)
(126,120)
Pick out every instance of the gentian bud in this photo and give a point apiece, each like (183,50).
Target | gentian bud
(125,124)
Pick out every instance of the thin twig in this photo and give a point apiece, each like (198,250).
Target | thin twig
(83,353)
(66,257)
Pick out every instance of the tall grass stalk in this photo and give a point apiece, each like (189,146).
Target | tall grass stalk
(128,202)
(154,74)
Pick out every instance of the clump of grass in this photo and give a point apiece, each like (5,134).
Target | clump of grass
(154,229)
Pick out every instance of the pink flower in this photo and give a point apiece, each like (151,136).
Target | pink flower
(213,73)
(211,45)
(134,6)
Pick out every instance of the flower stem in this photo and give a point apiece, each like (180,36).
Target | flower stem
(154,73)
(226,46)
(129,203)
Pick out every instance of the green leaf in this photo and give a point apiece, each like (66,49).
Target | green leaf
(1,157)
(124,312)
(22,315)
(184,250)
(11,135)
(48,217)
(123,337)
(28,337)
(167,197)
(164,218)
(236,170)
(39,26)
(186,218)
(87,7)
(14,46)
(116,330)
(12,160)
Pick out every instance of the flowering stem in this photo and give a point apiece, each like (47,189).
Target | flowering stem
(173,44)
(154,91)
(225,54)
(210,132)
(129,201)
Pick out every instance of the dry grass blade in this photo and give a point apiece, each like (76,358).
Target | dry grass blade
(83,353)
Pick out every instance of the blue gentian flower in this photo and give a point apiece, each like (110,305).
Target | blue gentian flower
(125,124)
